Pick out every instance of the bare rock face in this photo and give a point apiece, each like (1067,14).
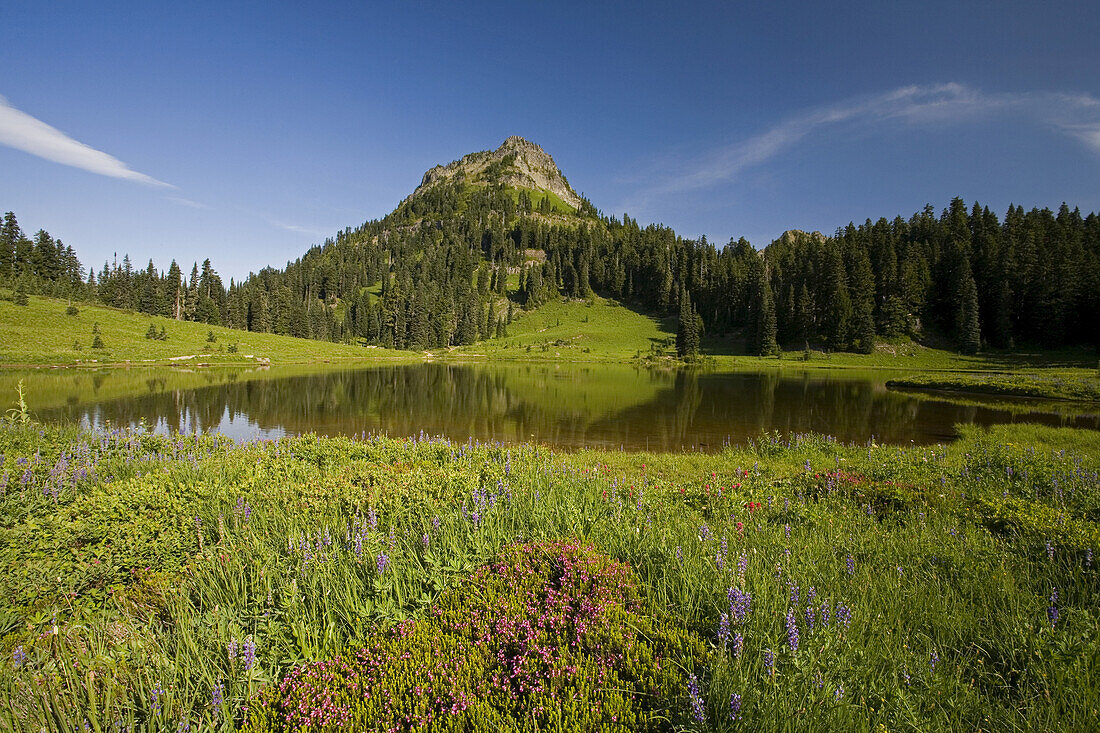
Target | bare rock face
(517,162)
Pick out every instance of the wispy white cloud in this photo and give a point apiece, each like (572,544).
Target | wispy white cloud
(942,104)
(297,229)
(186,202)
(21,131)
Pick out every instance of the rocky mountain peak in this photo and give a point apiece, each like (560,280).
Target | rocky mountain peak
(518,163)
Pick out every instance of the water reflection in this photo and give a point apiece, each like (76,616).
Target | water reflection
(565,405)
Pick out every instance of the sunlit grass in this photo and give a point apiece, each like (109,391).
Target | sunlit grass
(136,564)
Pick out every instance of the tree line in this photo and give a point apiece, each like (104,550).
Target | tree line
(453,265)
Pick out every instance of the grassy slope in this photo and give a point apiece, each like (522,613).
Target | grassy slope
(41,333)
(576,330)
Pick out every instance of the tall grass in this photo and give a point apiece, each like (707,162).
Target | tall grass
(918,581)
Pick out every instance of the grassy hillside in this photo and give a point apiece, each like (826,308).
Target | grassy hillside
(41,333)
(597,329)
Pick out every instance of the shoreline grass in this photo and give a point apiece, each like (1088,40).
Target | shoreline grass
(1054,386)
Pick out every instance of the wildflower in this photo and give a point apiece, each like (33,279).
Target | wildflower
(844,615)
(1088,558)
(1050,551)
(383,563)
(932,660)
(735,706)
(156,703)
(738,645)
(851,565)
(792,631)
(232,648)
(787,531)
(839,694)
(217,695)
(248,653)
(704,533)
(19,657)
(435,522)
(1052,612)
(679,555)
(810,618)
(697,705)
(724,630)
(769,661)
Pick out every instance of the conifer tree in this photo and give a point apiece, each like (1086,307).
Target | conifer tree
(969,328)
(687,333)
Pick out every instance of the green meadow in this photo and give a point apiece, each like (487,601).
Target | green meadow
(166,582)
(41,333)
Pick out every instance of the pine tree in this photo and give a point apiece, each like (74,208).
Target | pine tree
(687,333)
(967,324)
(763,331)
(863,303)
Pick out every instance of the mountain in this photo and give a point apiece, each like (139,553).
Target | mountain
(517,164)
(497,234)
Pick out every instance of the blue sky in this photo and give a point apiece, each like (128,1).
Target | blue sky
(248,132)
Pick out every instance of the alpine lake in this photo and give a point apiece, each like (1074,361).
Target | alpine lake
(567,406)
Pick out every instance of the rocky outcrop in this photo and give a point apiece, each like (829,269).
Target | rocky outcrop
(518,162)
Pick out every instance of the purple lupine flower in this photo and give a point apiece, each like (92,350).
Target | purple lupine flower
(679,555)
(719,561)
(359,544)
(807,466)
(383,563)
(217,695)
(19,656)
(735,706)
(824,614)
(932,660)
(704,533)
(738,645)
(769,661)
(792,630)
(787,531)
(844,615)
(232,648)
(372,519)
(740,604)
(156,695)
(1052,612)
(851,565)
(839,694)
(435,522)
(1050,551)
(905,675)
(248,653)
(698,707)
(811,618)
(742,567)
(724,630)
(425,539)
(793,587)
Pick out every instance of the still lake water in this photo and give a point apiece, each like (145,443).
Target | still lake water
(565,405)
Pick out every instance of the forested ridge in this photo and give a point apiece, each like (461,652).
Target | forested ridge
(454,263)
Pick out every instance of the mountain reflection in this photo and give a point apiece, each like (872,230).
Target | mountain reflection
(564,405)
